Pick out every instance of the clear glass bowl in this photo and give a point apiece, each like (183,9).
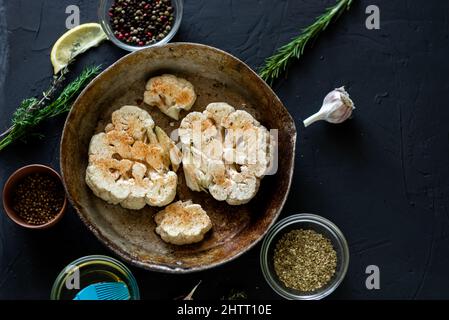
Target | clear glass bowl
(92,269)
(103,16)
(307,222)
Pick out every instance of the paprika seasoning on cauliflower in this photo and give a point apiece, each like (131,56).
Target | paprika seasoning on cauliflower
(182,223)
(225,152)
(170,94)
(133,163)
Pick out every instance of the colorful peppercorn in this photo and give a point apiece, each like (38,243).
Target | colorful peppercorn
(141,23)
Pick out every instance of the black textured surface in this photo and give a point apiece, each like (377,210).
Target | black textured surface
(382,177)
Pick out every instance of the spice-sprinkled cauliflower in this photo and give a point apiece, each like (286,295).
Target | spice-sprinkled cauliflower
(131,164)
(225,152)
(182,223)
(170,94)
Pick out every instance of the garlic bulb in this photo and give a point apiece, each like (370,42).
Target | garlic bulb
(337,107)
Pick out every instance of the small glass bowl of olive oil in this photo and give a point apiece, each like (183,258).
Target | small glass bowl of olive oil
(89,270)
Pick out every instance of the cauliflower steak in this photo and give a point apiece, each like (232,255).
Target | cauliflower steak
(225,152)
(133,163)
(182,223)
(170,94)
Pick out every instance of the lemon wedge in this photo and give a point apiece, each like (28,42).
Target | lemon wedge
(74,42)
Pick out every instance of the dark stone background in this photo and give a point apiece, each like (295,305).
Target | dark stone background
(381,177)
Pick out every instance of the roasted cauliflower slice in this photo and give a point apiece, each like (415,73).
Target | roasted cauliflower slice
(170,94)
(133,163)
(225,152)
(182,223)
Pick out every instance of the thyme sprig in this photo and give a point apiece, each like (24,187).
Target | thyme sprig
(33,111)
(276,64)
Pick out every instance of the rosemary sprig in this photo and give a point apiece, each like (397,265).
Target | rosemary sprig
(33,111)
(277,63)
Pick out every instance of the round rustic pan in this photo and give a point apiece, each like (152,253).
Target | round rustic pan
(217,76)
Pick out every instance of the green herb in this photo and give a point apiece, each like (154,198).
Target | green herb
(237,295)
(277,63)
(304,260)
(33,111)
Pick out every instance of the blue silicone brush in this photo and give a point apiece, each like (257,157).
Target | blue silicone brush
(104,291)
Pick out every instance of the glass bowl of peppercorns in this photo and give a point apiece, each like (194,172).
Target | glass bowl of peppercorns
(34,197)
(138,24)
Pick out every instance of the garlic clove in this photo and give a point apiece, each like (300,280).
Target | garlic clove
(320,115)
(337,107)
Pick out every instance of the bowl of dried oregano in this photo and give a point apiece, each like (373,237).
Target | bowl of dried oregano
(304,257)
